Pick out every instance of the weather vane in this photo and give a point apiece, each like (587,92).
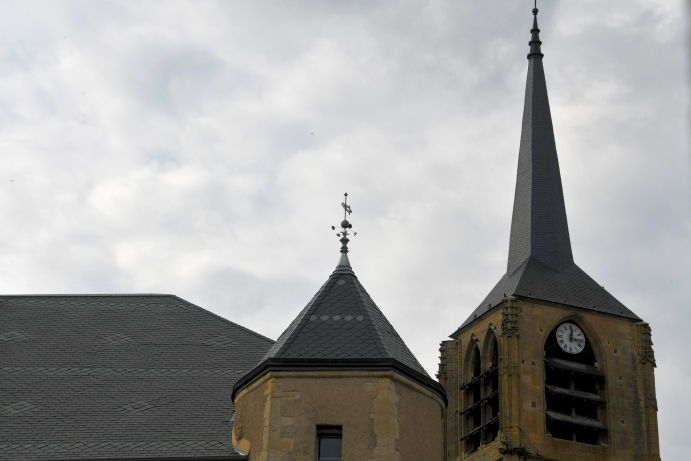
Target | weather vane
(345,225)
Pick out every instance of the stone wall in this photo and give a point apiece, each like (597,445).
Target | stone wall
(383,415)
(623,350)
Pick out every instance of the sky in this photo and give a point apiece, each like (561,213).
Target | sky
(202,149)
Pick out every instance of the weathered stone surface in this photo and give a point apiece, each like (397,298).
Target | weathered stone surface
(623,349)
(384,415)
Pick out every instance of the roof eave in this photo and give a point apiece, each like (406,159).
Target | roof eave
(338,364)
(467,323)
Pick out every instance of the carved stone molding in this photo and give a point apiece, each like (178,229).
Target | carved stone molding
(645,343)
(506,447)
(509,317)
(652,401)
(511,369)
(442,362)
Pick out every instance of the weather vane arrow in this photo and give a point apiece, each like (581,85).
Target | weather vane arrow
(345,206)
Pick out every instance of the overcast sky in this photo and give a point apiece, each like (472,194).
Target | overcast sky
(202,149)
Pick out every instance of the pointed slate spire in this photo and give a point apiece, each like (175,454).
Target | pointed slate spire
(539,227)
(342,328)
(540,264)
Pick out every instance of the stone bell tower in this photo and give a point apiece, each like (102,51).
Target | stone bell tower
(339,384)
(549,366)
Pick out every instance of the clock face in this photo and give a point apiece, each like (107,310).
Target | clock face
(570,338)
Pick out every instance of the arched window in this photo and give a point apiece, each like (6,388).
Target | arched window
(480,416)
(491,392)
(472,396)
(574,386)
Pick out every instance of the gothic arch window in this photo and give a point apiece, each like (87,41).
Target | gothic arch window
(491,390)
(574,384)
(480,416)
(472,414)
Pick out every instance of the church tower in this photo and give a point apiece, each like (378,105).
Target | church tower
(550,365)
(339,384)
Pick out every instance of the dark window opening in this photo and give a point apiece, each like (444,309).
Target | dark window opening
(491,390)
(584,383)
(477,363)
(476,392)
(473,396)
(574,390)
(481,398)
(494,363)
(329,443)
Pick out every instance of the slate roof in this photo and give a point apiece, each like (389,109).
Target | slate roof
(540,263)
(572,286)
(539,227)
(342,327)
(118,377)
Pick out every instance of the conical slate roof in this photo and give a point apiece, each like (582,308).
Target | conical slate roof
(342,321)
(540,263)
(342,328)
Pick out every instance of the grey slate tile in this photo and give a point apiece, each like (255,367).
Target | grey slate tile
(78,384)
(315,333)
(540,263)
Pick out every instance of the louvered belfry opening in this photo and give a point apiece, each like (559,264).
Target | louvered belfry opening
(480,418)
(574,394)
(491,391)
(472,415)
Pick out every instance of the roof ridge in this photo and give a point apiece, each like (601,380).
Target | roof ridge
(85,295)
(382,318)
(136,295)
(363,301)
(224,319)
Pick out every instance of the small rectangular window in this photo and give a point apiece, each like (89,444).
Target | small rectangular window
(329,443)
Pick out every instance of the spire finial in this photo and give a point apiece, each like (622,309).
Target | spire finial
(535,37)
(343,263)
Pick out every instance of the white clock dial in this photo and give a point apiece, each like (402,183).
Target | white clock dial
(570,338)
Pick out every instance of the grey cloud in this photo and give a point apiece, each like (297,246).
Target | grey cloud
(202,149)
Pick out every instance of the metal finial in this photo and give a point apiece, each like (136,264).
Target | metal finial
(535,42)
(345,225)
(344,233)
